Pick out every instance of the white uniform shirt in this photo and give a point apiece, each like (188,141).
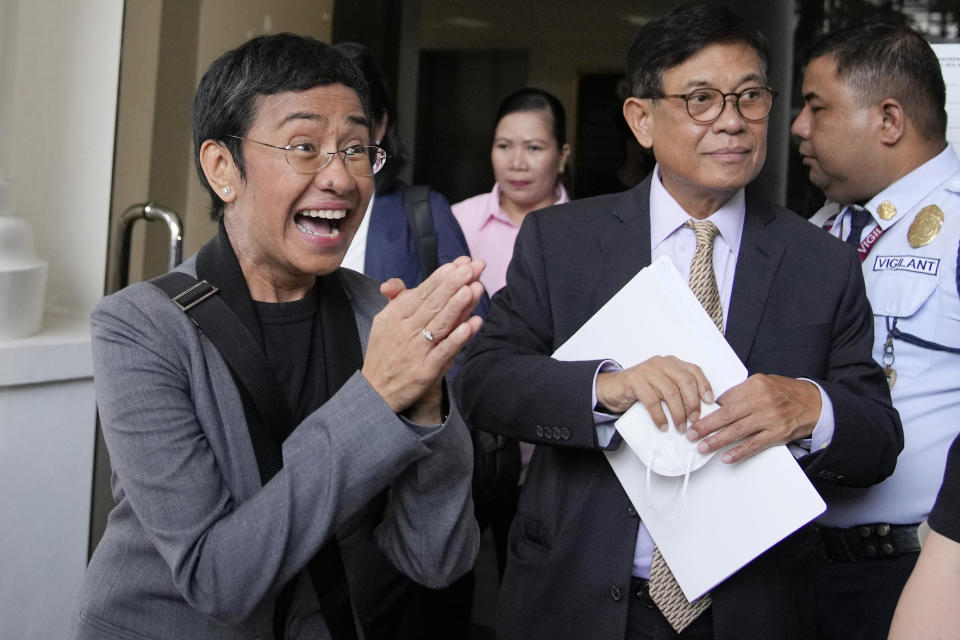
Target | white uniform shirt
(918,287)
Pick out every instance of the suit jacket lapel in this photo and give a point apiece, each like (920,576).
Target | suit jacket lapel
(336,329)
(217,263)
(624,233)
(761,250)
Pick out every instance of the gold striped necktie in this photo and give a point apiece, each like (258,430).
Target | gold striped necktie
(669,598)
(664,590)
(703,282)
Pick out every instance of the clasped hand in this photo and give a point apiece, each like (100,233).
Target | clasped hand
(762,411)
(403,364)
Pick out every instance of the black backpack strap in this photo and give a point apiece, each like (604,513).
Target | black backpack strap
(272,420)
(416,204)
(217,321)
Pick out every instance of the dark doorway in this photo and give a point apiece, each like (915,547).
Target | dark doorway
(608,157)
(458,94)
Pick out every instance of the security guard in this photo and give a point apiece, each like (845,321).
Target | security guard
(872,133)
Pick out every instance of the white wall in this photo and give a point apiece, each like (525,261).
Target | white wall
(61,140)
(58,97)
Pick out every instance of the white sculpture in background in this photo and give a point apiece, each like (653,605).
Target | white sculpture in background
(23,275)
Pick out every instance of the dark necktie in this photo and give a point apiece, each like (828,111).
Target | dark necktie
(859,217)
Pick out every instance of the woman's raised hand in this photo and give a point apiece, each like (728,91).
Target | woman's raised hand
(415,338)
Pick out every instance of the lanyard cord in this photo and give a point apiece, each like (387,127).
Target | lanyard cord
(909,338)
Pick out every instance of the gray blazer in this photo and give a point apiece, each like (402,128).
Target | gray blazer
(195,547)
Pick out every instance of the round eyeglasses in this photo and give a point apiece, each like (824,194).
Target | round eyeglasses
(706,105)
(305,156)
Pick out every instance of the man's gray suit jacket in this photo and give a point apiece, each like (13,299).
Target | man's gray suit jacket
(195,547)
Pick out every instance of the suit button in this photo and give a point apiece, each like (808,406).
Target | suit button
(870,550)
(615,593)
(865,531)
(565,433)
(539,431)
(556,433)
(883,529)
(887,549)
(631,510)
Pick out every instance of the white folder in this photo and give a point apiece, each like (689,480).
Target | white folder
(731,513)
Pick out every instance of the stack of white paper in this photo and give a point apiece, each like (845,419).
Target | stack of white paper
(729,514)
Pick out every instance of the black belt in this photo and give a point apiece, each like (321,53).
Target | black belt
(867,542)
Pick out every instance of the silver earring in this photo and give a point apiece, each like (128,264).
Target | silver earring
(226,191)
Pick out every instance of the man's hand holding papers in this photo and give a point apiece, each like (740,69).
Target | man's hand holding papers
(681,385)
(763,411)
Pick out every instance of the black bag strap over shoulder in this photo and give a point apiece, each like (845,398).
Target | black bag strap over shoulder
(199,300)
(268,427)
(416,204)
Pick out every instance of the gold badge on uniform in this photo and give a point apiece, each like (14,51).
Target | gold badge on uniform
(925,227)
(886,210)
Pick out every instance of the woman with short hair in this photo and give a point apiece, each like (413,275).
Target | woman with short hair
(227,517)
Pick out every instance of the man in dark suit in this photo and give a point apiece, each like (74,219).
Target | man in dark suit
(579,558)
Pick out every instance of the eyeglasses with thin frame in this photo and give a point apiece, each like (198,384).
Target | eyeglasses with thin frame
(705,105)
(305,156)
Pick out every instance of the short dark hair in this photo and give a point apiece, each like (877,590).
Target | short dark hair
(880,61)
(662,44)
(533,99)
(225,102)
(382,104)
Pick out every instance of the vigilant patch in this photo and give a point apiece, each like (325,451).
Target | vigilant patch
(916,264)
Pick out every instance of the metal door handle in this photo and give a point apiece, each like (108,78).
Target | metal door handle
(118,268)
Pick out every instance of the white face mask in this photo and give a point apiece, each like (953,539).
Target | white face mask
(669,453)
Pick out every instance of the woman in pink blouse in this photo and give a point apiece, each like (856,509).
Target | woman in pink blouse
(529,155)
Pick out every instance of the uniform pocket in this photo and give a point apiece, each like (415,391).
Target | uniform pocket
(911,300)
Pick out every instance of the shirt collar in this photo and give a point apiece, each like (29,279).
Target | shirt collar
(666,216)
(494,212)
(915,188)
